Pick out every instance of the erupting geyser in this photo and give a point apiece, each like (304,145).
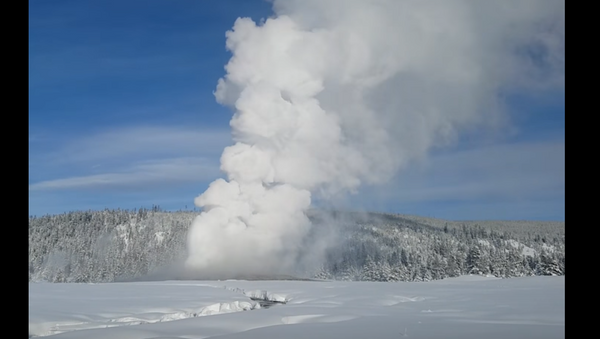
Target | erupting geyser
(330,94)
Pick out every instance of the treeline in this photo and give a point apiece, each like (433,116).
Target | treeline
(117,245)
(105,246)
(381,247)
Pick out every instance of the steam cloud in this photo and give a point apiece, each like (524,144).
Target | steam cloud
(332,94)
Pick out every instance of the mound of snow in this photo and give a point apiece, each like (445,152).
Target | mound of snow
(265,295)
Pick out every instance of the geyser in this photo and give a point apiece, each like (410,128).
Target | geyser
(332,94)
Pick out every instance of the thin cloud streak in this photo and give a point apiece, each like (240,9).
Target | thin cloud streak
(144,141)
(520,173)
(130,158)
(151,174)
(117,148)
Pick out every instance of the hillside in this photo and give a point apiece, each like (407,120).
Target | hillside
(121,245)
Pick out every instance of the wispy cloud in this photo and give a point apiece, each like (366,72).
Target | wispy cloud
(131,157)
(516,175)
(154,173)
(507,170)
(140,142)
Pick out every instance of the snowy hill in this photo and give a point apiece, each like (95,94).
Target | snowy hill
(119,245)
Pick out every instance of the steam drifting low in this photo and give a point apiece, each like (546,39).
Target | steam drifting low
(332,94)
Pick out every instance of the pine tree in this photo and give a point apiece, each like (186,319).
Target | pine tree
(548,265)
(474,261)
(369,270)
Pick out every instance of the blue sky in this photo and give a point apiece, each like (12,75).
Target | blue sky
(122,115)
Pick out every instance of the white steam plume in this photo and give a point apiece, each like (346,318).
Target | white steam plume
(330,94)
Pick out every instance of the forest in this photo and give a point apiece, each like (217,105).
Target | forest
(123,245)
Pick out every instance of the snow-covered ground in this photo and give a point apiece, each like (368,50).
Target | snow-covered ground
(465,307)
